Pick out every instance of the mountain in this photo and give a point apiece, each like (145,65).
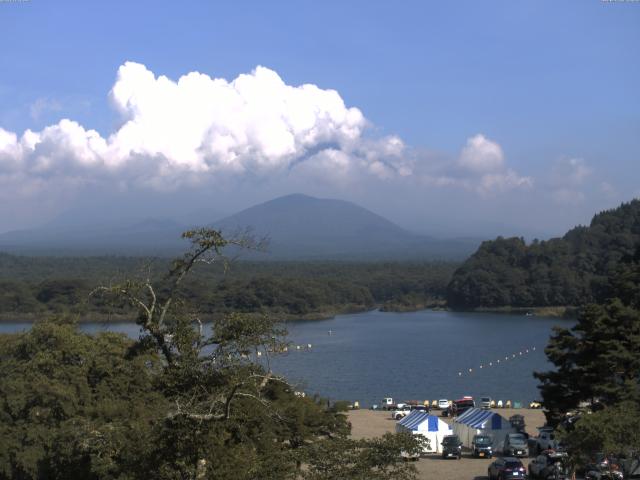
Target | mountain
(299,228)
(304,227)
(149,236)
(568,271)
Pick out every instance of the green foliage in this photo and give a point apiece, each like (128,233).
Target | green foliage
(69,402)
(375,459)
(597,375)
(179,403)
(572,270)
(614,430)
(49,285)
(597,360)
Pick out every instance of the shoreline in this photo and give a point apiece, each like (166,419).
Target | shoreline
(557,311)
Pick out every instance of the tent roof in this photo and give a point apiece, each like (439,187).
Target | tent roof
(417,418)
(478,418)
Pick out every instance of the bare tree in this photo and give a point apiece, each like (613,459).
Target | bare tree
(209,370)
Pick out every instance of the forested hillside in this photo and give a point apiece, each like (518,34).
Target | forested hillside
(33,286)
(571,270)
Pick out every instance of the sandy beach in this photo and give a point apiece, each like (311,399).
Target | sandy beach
(370,423)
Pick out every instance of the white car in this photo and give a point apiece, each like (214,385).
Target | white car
(401,412)
(443,404)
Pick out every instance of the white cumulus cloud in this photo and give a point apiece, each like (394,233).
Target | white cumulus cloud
(481,155)
(254,132)
(480,167)
(197,126)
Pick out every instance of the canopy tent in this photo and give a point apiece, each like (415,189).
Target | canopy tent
(429,426)
(476,421)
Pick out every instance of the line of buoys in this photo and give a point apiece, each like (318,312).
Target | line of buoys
(506,358)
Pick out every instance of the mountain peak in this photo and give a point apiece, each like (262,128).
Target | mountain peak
(302,226)
(299,227)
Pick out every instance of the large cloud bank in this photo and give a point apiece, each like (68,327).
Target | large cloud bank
(203,130)
(200,125)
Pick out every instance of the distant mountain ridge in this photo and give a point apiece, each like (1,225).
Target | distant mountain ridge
(150,236)
(299,227)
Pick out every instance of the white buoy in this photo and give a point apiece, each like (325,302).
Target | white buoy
(470,370)
(459,374)
(480,366)
(498,361)
(534,348)
(309,346)
(490,364)
(297,347)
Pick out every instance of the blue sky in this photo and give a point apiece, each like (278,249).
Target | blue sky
(553,84)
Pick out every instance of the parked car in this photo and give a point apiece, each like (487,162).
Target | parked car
(458,407)
(482,446)
(505,468)
(546,440)
(550,465)
(451,447)
(515,444)
(420,408)
(485,402)
(517,422)
(443,404)
(401,412)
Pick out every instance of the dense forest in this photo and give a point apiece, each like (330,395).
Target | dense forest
(177,403)
(31,286)
(571,270)
(597,367)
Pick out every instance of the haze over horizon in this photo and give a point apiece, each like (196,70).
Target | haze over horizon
(449,120)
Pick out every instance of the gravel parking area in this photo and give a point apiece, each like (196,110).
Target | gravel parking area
(370,423)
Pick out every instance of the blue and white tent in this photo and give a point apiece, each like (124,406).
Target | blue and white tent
(429,426)
(476,421)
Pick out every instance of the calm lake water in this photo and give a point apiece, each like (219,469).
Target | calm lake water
(417,355)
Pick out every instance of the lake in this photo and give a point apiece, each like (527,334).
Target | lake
(417,355)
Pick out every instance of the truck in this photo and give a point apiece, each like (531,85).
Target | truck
(389,404)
